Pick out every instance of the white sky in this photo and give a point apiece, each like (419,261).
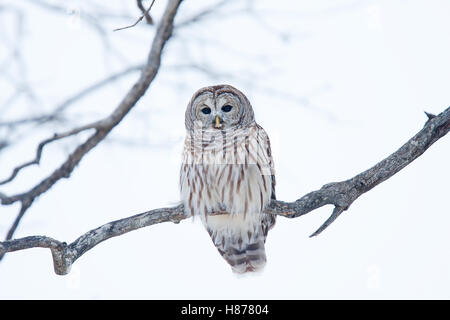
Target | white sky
(345,88)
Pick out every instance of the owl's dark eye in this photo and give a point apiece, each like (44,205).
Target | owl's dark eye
(227,108)
(206,110)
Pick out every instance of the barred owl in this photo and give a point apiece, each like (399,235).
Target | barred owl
(227,176)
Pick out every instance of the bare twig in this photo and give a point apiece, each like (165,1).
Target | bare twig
(36,119)
(56,136)
(26,203)
(77,13)
(3,144)
(62,9)
(103,127)
(74,98)
(340,194)
(202,14)
(144,15)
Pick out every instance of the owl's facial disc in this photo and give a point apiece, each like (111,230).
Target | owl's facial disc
(220,113)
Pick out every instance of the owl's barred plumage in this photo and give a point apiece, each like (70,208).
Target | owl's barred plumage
(227,168)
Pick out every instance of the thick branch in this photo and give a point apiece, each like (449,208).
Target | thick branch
(65,255)
(340,194)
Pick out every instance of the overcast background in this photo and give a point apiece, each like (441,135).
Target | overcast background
(338,86)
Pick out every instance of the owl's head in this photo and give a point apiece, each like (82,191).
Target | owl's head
(219,107)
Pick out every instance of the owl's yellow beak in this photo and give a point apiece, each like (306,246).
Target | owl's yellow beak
(218,124)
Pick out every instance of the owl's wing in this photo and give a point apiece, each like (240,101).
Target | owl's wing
(268,220)
(264,138)
(272,169)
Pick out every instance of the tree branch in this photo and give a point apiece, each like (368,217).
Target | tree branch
(340,194)
(37,159)
(104,126)
(202,14)
(55,114)
(145,14)
(65,255)
(148,18)
(343,194)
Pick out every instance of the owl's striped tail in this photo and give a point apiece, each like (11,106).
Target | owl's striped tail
(251,257)
(241,246)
